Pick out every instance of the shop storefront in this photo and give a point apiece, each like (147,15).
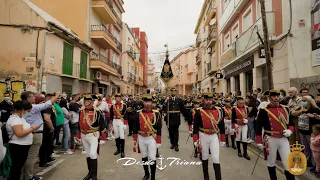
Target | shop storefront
(239,76)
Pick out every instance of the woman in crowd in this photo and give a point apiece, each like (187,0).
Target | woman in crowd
(20,134)
(307,112)
(67,115)
(252,104)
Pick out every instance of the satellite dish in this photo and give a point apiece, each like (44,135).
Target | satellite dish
(213,21)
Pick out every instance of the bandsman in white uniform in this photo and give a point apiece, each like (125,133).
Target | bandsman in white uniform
(147,136)
(239,122)
(208,124)
(91,125)
(278,126)
(119,120)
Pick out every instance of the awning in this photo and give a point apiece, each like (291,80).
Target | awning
(115,81)
(104,82)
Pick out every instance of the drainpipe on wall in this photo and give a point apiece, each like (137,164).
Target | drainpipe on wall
(42,61)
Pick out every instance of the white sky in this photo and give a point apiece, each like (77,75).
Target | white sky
(164,21)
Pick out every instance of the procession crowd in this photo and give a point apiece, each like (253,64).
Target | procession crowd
(274,120)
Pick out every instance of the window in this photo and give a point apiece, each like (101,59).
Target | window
(226,42)
(247,20)
(83,65)
(235,32)
(67,64)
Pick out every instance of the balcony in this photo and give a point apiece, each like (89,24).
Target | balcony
(119,23)
(212,37)
(248,41)
(212,66)
(104,10)
(102,63)
(103,37)
(211,12)
(198,59)
(130,77)
(231,12)
(138,81)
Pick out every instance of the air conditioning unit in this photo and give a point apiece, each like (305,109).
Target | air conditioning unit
(98,75)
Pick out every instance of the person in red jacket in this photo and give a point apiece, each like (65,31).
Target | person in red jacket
(240,120)
(208,123)
(277,124)
(119,121)
(147,135)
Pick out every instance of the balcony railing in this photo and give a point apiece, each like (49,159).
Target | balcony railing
(119,22)
(108,32)
(111,7)
(96,56)
(212,35)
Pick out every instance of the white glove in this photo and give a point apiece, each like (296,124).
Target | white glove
(222,143)
(237,126)
(190,132)
(260,146)
(245,121)
(124,126)
(287,133)
(158,146)
(196,144)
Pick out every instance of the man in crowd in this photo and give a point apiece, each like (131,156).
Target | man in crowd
(278,126)
(74,107)
(34,118)
(294,101)
(104,108)
(6,108)
(131,110)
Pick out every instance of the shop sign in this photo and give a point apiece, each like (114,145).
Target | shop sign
(243,66)
(219,76)
(262,52)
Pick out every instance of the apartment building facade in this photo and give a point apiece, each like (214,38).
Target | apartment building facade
(151,76)
(99,24)
(206,43)
(184,71)
(131,66)
(58,62)
(241,52)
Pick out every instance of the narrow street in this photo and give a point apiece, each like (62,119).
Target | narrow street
(73,167)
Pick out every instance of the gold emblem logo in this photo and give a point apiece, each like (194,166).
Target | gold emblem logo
(297,161)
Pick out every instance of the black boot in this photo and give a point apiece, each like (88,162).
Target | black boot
(89,164)
(239,149)
(289,176)
(118,146)
(146,169)
(94,172)
(205,169)
(245,148)
(172,146)
(153,168)
(217,171)
(176,148)
(272,173)
(122,148)
(232,142)
(227,141)
(157,155)
(195,152)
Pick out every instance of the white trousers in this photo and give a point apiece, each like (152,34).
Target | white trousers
(148,147)
(90,144)
(228,127)
(210,142)
(282,146)
(118,128)
(242,133)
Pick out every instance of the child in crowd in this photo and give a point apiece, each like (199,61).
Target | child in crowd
(315,148)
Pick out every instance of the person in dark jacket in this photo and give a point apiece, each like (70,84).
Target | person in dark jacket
(6,107)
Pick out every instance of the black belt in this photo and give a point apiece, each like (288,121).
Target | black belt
(38,132)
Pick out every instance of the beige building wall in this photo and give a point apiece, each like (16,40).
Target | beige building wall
(72,13)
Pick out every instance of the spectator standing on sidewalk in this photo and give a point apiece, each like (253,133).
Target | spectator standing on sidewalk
(6,108)
(306,113)
(292,104)
(20,135)
(74,108)
(109,130)
(67,116)
(59,121)
(315,147)
(34,118)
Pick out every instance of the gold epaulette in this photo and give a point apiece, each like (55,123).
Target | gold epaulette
(217,107)
(139,110)
(199,108)
(284,106)
(96,109)
(154,110)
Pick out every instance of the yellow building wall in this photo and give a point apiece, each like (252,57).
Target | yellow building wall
(72,13)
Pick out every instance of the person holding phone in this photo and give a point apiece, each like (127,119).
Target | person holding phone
(20,135)
(6,108)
